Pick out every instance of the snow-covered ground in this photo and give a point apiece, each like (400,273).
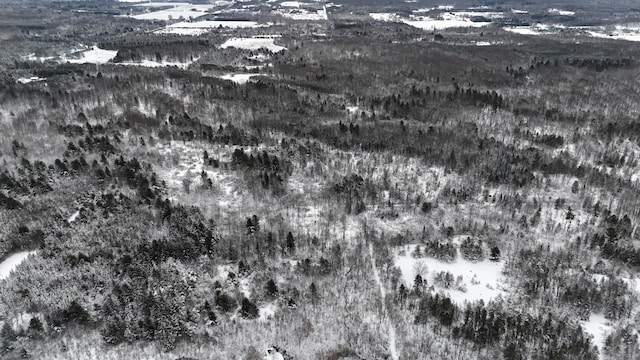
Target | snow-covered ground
(442,21)
(10,263)
(267,312)
(23,80)
(296,13)
(253,43)
(482,279)
(81,55)
(204,26)
(629,32)
(73,216)
(239,78)
(152,63)
(450,20)
(390,17)
(174,12)
(598,327)
(535,29)
(561,12)
(383,295)
(94,56)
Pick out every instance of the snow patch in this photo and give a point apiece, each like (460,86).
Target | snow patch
(254,43)
(561,12)
(93,56)
(302,14)
(202,27)
(598,327)
(389,17)
(629,32)
(10,263)
(23,80)
(174,12)
(268,312)
(73,217)
(151,63)
(481,279)
(240,78)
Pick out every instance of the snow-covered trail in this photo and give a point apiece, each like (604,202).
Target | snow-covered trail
(383,293)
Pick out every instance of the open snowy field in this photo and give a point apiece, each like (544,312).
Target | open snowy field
(239,78)
(172,11)
(204,26)
(442,21)
(478,280)
(10,263)
(81,55)
(253,43)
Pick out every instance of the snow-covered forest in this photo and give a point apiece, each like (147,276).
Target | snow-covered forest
(348,180)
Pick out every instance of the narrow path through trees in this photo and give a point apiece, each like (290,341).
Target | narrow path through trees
(383,294)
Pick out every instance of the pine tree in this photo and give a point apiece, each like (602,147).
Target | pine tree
(291,244)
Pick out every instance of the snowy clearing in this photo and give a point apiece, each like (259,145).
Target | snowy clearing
(445,21)
(174,12)
(80,55)
(629,32)
(481,279)
(599,328)
(10,263)
(561,12)
(151,63)
(253,43)
(94,56)
(238,78)
(389,17)
(23,80)
(536,29)
(73,217)
(204,26)
(383,295)
(268,312)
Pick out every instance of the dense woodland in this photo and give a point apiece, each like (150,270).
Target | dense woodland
(175,214)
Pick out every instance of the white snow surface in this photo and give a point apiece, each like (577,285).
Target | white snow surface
(93,56)
(267,312)
(561,12)
(445,21)
(253,43)
(152,63)
(240,78)
(9,264)
(536,29)
(73,217)
(295,13)
(80,55)
(389,17)
(296,4)
(629,32)
(202,27)
(174,12)
(23,80)
(599,328)
(482,279)
(383,295)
